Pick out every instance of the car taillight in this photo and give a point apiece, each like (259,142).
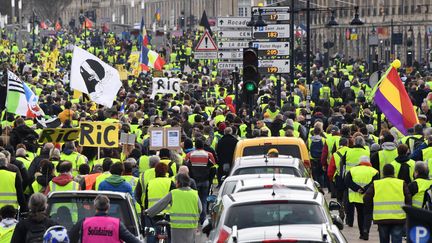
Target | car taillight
(223,235)
(268,186)
(279,241)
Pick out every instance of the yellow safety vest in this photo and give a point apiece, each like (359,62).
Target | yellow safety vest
(397,166)
(427,153)
(71,186)
(362,176)
(8,191)
(157,188)
(184,212)
(6,234)
(423,185)
(76,159)
(385,157)
(353,157)
(388,199)
(337,159)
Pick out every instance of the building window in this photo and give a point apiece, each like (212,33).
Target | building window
(241,12)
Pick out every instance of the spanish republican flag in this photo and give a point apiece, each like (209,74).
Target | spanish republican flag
(393,100)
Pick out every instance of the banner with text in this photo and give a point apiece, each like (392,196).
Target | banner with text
(165,86)
(99,134)
(59,135)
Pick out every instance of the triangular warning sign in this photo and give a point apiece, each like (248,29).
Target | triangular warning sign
(206,43)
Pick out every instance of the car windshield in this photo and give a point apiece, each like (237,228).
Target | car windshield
(268,170)
(292,150)
(68,211)
(263,214)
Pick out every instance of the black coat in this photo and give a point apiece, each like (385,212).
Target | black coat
(23,134)
(23,226)
(225,149)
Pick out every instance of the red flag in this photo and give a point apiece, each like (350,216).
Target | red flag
(87,23)
(57,26)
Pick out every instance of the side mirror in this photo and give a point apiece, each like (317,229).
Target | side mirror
(223,178)
(211,198)
(337,221)
(333,205)
(318,186)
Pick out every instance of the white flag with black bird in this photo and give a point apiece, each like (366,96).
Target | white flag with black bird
(94,77)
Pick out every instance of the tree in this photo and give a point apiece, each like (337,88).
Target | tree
(45,9)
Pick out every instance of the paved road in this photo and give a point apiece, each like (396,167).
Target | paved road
(351,233)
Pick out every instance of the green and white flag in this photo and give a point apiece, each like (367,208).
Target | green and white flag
(16,101)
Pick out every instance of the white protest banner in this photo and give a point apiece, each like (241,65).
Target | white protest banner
(165,86)
(94,77)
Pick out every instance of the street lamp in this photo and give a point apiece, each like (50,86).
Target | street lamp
(332,21)
(13,11)
(356,20)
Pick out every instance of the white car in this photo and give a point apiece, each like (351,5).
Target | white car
(275,215)
(264,165)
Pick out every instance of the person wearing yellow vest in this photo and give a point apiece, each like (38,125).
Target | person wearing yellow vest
(420,185)
(20,155)
(64,181)
(106,165)
(403,165)
(8,223)
(158,187)
(184,212)
(144,178)
(43,176)
(353,154)
(70,154)
(386,155)
(11,191)
(115,182)
(358,179)
(385,198)
(426,153)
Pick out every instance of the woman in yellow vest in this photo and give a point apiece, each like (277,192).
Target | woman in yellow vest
(159,187)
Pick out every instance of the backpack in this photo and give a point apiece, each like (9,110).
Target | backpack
(316,148)
(35,234)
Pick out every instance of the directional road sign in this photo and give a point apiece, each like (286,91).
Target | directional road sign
(232,22)
(229,65)
(233,44)
(230,55)
(275,31)
(205,55)
(234,34)
(273,14)
(274,66)
(272,48)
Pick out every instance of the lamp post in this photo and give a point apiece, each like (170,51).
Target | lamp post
(132,13)
(19,11)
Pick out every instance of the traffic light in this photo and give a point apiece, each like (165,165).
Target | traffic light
(250,71)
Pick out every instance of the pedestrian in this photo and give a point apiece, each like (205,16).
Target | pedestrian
(32,228)
(384,199)
(64,181)
(226,147)
(184,212)
(11,190)
(8,222)
(403,165)
(185,170)
(200,163)
(101,227)
(115,182)
(358,180)
(420,185)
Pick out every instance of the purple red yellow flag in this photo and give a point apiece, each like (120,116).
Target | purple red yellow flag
(393,100)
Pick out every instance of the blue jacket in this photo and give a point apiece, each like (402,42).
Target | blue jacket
(116,183)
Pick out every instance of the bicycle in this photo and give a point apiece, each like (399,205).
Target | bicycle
(162,230)
(157,232)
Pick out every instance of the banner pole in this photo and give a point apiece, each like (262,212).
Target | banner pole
(98,153)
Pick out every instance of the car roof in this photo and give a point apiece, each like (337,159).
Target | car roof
(289,181)
(279,194)
(248,161)
(87,193)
